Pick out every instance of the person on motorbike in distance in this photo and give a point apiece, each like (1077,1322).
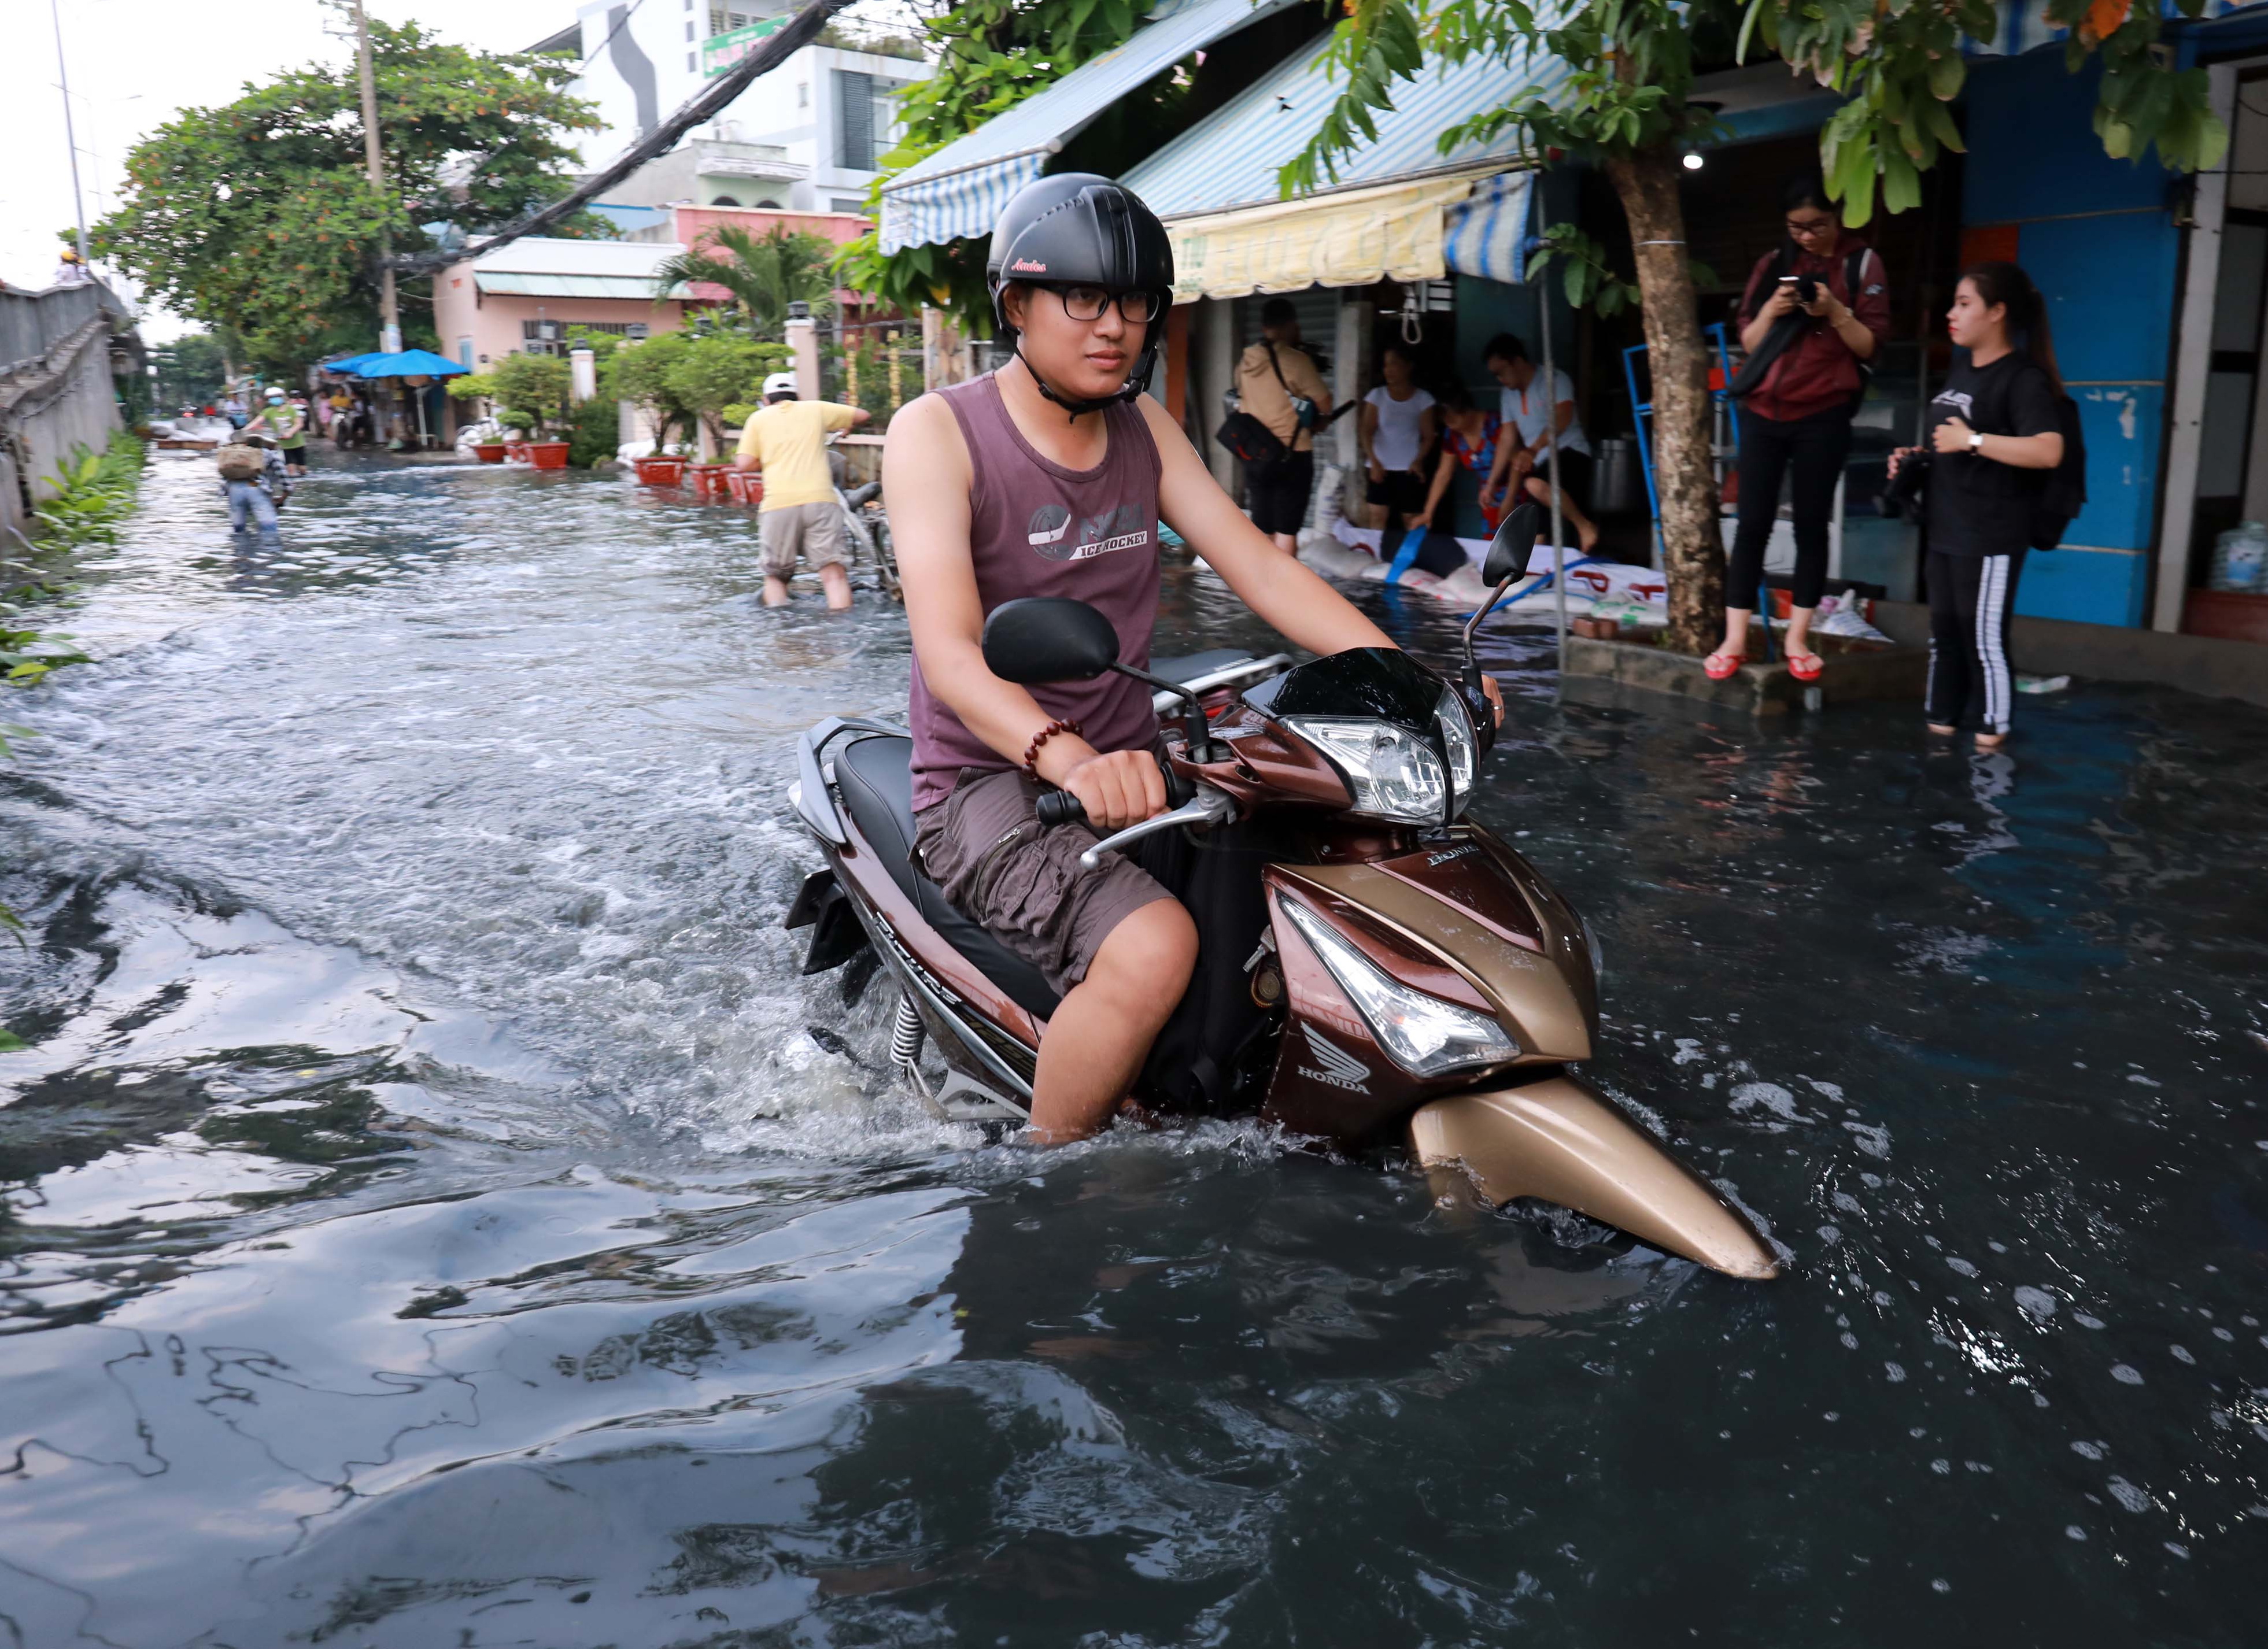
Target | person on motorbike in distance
(1048,476)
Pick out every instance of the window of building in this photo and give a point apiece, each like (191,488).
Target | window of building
(689,57)
(724,200)
(717,24)
(854,120)
(803,94)
(689,31)
(847,204)
(531,341)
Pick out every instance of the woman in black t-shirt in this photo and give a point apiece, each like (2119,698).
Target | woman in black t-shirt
(1995,434)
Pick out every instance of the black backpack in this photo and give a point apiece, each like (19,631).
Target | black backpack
(2065,494)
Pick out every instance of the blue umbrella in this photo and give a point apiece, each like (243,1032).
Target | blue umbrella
(406,363)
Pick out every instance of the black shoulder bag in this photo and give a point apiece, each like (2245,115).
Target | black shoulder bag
(1789,328)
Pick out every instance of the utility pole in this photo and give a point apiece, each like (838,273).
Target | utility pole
(389,308)
(71,137)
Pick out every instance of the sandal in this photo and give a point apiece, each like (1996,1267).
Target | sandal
(1805,667)
(1720,665)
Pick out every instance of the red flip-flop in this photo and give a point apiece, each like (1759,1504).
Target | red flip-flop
(1719,665)
(1805,667)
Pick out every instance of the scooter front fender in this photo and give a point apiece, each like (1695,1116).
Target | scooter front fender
(1561,1141)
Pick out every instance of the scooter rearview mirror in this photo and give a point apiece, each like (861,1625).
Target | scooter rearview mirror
(1041,638)
(1507,551)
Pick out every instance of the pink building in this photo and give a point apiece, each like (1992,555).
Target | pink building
(523,297)
(687,223)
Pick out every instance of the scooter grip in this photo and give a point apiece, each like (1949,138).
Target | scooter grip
(1060,807)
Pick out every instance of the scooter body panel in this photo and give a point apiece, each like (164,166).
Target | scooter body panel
(1558,1139)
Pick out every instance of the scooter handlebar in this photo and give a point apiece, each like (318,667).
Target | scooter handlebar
(1061,807)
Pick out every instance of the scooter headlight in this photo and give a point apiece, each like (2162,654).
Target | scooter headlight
(1394,773)
(1424,1035)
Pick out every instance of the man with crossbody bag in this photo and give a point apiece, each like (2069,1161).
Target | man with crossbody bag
(1278,384)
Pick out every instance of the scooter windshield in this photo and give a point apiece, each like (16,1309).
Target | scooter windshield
(1380,683)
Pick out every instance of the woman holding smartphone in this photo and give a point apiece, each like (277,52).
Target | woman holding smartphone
(1996,433)
(1796,423)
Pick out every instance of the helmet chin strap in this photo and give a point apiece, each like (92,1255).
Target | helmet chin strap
(1137,381)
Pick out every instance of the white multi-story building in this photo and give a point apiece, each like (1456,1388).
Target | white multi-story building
(804,137)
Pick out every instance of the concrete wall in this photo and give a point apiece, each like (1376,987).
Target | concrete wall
(44,412)
(2098,236)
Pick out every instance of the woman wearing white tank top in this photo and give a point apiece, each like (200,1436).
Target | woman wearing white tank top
(1399,426)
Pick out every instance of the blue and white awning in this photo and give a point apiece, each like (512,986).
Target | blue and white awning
(1485,234)
(1402,208)
(958,192)
(1232,158)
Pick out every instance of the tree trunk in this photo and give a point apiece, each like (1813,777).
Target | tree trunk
(1693,553)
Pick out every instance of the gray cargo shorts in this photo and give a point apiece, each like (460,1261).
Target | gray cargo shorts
(816,529)
(984,846)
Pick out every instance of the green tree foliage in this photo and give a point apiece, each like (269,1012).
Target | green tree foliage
(536,385)
(763,273)
(593,433)
(993,55)
(642,374)
(716,371)
(1624,106)
(259,214)
(190,371)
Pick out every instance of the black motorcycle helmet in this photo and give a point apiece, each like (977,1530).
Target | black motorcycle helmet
(1080,228)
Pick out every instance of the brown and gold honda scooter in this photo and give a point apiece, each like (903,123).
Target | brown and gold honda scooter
(1423,981)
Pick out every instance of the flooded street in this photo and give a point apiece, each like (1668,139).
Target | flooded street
(437,1212)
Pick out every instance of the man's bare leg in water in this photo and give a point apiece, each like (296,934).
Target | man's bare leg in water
(1100,1032)
(832,579)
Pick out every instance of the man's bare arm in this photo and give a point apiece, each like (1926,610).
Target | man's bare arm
(1290,597)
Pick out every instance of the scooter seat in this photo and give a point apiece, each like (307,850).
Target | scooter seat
(875,776)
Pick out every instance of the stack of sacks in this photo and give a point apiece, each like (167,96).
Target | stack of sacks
(1352,552)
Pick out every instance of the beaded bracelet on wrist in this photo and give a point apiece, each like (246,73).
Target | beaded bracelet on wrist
(1032,750)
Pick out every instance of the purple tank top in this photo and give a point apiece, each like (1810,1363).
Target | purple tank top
(1037,528)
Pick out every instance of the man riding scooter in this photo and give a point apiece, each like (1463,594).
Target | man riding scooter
(287,426)
(1049,477)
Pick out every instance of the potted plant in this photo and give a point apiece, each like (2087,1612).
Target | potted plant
(665,468)
(488,436)
(640,374)
(511,429)
(537,385)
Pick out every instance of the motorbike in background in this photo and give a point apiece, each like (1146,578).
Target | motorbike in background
(1422,982)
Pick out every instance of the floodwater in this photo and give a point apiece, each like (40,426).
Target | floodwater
(438,1212)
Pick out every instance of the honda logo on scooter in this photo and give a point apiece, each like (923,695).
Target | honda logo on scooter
(1340,1069)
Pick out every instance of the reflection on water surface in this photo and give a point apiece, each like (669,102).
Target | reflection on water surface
(438,1211)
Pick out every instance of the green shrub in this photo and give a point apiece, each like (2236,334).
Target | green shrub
(536,383)
(593,433)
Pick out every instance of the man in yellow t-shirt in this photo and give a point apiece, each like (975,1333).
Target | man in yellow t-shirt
(787,440)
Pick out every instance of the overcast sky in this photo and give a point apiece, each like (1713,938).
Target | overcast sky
(135,62)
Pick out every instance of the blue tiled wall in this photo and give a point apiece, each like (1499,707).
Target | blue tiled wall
(2096,235)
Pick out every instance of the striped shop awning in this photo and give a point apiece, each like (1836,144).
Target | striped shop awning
(1427,212)
(958,192)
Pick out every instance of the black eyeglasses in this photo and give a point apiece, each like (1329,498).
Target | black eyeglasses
(1814,228)
(1088,303)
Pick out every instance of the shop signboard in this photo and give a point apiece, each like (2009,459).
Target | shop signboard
(720,52)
